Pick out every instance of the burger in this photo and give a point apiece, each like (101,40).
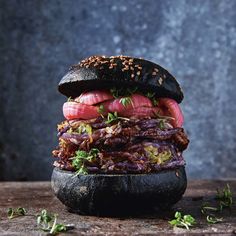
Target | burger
(121,143)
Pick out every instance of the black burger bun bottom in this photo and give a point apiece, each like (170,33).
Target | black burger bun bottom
(100,72)
(114,195)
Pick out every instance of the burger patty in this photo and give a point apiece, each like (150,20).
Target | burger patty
(125,145)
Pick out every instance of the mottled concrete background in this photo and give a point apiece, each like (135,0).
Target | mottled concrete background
(194,40)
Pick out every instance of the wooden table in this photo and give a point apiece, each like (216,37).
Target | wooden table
(36,196)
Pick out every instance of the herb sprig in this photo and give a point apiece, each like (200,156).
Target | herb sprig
(112,117)
(12,213)
(101,110)
(78,162)
(184,221)
(45,220)
(211,219)
(125,101)
(225,198)
(70,99)
(205,208)
(48,223)
(152,95)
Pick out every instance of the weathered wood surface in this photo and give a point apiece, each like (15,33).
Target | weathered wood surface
(36,196)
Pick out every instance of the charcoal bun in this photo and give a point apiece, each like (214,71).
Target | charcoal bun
(101,72)
(119,194)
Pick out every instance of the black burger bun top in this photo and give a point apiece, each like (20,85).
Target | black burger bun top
(101,72)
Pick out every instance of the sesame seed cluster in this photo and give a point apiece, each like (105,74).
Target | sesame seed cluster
(126,64)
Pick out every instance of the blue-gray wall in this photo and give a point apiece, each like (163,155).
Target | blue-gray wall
(194,40)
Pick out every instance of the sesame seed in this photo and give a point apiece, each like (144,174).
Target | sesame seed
(131,68)
(154,73)
(164,76)
(160,81)
(155,69)
(132,75)
(140,67)
(139,72)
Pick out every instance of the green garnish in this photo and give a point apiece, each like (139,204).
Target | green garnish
(162,124)
(44,218)
(213,220)
(185,221)
(125,101)
(78,162)
(48,223)
(115,92)
(225,198)
(154,102)
(151,95)
(112,117)
(205,208)
(101,109)
(12,213)
(157,157)
(70,99)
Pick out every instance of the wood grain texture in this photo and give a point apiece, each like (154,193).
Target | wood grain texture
(36,196)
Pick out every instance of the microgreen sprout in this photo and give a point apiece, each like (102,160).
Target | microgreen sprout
(125,101)
(78,162)
(48,223)
(101,110)
(225,197)
(12,213)
(211,219)
(112,117)
(70,99)
(184,221)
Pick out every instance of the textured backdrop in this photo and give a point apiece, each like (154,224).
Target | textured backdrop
(194,40)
